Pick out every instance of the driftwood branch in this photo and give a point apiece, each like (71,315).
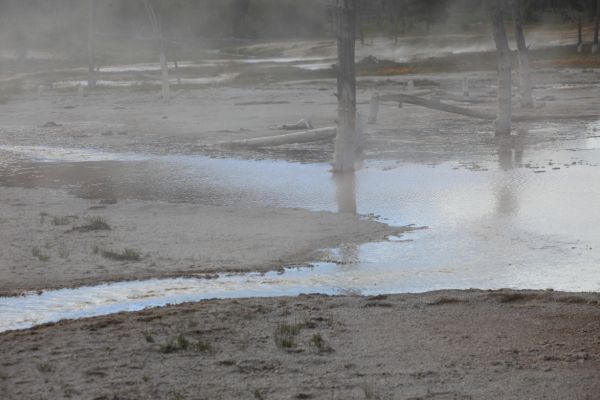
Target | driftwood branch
(484,115)
(437,105)
(313,135)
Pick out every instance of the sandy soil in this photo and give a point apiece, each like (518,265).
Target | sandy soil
(443,345)
(43,246)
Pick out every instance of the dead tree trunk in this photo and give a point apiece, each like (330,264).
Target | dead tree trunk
(91,46)
(345,193)
(313,135)
(579,33)
(503,121)
(360,11)
(345,143)
(164,65)
(524,71)
(596,28)
(159,41)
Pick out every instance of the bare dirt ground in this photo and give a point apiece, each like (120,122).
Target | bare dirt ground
(442,345)
(49,239)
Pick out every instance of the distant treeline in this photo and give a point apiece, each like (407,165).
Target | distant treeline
(46,22)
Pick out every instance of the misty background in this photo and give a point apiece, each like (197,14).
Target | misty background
(37,30)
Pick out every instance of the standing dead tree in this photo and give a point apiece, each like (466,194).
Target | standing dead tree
(503,120)
(579,33)
(525,87)
(91,44)
(345,142)
(159,41)
(595,47)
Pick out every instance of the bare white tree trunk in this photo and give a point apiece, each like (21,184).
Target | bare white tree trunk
(525,86)
(159,40)
(345,143)
(91,46)
(503,121)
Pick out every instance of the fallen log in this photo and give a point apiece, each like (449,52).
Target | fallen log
(300,125)
(444,95)
(553,117)
(437,105)
(313,135)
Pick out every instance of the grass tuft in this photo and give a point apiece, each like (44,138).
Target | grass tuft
(175,345)
(148,336)
(36,252)
(94,224)
(45,368)
(61,221)
(202,347)
(284,335)
(319,345)
(123,255)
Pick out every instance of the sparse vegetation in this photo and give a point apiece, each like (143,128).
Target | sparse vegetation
(123,255)
(444,300)
(176,396)
(37,253)
(258,394)
(148,336)
(93,224)
(45,368)
(319,345)
(510,297)
(369,393)
(64,253)
(181,343)
(202,346)
(285,333)
(284,337)
(61,221)
(174,345)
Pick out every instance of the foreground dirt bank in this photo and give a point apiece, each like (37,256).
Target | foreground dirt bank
(441,345)
(50,239)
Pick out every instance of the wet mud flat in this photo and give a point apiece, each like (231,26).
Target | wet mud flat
(423,346)
(51,239)
(438,345)
(195,121)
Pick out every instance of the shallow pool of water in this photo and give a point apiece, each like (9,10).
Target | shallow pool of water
(522,218)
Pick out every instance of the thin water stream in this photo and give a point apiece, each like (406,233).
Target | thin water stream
(524,218)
